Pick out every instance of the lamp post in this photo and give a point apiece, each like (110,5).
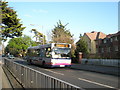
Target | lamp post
(43,37)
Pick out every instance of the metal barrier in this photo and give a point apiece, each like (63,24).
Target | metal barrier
(104,62)
(31,78)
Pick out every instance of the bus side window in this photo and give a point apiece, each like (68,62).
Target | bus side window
(42,52)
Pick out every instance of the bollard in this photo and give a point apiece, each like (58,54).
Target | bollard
(80,57)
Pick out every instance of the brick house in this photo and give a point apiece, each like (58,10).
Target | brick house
(109,47)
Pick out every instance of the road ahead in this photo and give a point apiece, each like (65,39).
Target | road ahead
(84,79)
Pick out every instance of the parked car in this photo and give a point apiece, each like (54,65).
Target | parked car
(3,55)
(11,57)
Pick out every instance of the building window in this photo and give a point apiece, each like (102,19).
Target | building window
(102,50)
(108,49)
(116,48)
(104,41)
(111,39)
(116,39)
(96,50)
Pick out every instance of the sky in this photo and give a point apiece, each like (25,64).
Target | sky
(82,16)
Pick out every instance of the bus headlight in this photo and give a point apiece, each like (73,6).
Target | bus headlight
(53,63)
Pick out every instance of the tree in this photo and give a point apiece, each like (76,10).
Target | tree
(61,35)
(10,25)
(17,46)
(40,38)
(81,46)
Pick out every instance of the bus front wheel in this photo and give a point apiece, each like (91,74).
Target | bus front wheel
(43,64)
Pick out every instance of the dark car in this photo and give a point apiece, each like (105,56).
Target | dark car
(3,55)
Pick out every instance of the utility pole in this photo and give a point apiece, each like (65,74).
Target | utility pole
(43,36)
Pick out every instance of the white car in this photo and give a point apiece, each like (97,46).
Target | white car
(11,57)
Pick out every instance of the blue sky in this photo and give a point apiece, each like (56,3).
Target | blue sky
(81,16)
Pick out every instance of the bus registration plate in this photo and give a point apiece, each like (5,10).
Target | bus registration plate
(62,65)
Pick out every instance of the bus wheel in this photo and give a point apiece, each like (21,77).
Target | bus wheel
(43,64)
(30,62)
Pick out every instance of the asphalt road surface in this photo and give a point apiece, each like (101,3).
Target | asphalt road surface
(81,78)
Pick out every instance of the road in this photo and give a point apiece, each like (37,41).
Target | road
(84,79)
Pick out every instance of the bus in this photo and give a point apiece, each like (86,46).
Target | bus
(50,55)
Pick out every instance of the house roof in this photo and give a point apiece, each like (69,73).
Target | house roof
(95,35)
(115,34)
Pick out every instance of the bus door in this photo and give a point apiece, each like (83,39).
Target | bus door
(48,56)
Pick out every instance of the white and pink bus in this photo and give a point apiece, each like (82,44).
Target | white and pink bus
(50,55)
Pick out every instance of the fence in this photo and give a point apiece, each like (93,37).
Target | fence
(105,62)
(31,78)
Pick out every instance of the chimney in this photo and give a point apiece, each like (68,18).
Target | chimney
(92,31)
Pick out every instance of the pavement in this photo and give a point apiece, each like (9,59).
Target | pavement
(4,82)
(97,68)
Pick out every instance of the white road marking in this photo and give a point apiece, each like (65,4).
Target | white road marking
(53,72)
(95,83)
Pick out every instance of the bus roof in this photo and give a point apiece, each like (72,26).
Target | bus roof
(46,45)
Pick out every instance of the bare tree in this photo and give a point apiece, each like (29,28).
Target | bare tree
(40,38)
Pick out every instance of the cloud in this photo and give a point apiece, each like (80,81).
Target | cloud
(40,11)
(27,15)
